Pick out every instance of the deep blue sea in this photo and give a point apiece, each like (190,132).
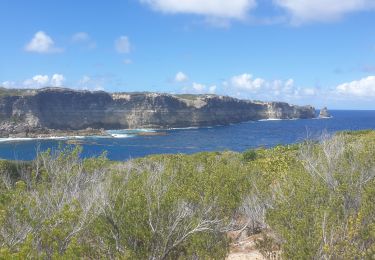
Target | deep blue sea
(238,137)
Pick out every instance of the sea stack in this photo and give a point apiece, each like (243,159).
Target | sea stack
(324,113)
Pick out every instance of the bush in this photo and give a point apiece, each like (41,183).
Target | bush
(311,201)
(249,155)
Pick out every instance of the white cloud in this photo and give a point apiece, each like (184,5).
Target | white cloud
(80,37)
(303,11)
(36,82)
(84,80)
(8,84)
(57,80)
(181,77)
(309,91)
(363,88)
(246,82)
(122,44)
(128,61)
(198,88)
(212,89)
(42,43)
(84,39)
(91,83)
(237,9)
(247,86)
(219,12)
(40,81)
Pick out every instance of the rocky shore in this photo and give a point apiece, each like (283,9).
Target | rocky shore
(25,132)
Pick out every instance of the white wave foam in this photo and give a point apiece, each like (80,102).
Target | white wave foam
(143,130)
(55,138)
(272,119)
(10,139)
(129,131)
(120,135)
(184,128)
(279,119)
(21,139)
(126,133)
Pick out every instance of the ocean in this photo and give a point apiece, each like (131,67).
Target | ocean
(124,144)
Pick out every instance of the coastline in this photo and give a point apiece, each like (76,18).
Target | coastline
(51,134)
(235,137)
(41,113)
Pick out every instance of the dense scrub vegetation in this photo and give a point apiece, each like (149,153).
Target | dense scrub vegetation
(315,200)
(4,92)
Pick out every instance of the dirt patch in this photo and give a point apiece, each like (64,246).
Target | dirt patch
(244,247)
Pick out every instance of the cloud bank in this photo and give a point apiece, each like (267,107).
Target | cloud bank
(37,81)
(302,11)
(296,11)
(363,88)
(360,92)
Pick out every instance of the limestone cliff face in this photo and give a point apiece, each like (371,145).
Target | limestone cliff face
(281,110)
(65,109)
(324,113)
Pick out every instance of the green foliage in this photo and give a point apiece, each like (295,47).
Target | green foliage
(319,211)
(162,207)
(9,168)
(45,213)
(148,198)
(249,155)
(313,201)
(5,92)
(189,96)
(359,133)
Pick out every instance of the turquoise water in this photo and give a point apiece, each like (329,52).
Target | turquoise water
(239,137)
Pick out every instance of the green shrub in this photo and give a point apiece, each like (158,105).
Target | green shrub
(312,201)
(249,155)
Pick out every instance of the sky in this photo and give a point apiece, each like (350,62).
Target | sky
(319,52)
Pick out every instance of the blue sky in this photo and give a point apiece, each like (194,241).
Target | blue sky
(301,51)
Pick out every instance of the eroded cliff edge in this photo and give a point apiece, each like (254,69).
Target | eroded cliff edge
(49,110)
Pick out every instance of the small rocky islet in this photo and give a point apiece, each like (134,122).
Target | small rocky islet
(324,113)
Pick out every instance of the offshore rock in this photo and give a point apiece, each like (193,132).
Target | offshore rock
(324,113)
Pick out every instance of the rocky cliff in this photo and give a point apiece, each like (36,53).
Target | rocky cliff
(34,111)
(324,113)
